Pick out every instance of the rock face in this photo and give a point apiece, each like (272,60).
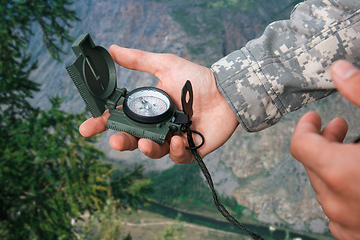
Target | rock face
(255,168)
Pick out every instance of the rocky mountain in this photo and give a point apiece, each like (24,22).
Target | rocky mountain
(256,168)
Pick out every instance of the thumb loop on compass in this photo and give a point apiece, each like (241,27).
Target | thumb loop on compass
(191,142)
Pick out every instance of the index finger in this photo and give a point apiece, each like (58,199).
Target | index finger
(93,126)
(307,141)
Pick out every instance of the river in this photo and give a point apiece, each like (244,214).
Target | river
(263,231)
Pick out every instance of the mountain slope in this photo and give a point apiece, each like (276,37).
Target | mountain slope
(256,168)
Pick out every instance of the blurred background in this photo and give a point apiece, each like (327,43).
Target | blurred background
(57,185)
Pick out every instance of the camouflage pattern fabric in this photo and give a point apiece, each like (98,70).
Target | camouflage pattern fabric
(289,65)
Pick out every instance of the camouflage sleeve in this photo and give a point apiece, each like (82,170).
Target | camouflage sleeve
(289,65)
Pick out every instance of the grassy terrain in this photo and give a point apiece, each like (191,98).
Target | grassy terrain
(150,226)
(145,225)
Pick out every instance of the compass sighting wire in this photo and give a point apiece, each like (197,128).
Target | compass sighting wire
(96,76)
(207,175)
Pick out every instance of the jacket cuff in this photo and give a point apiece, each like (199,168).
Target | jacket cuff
(244,86)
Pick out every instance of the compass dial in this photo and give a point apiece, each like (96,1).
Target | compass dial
(148,105)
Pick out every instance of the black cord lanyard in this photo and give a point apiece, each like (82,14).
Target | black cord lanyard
(207,175)
(184,119)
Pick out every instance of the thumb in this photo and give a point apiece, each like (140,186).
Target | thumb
(346,78)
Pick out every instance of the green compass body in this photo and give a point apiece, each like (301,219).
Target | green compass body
(146,112)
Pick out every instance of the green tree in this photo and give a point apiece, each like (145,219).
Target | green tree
(49,175)
(130,187)
(105,224)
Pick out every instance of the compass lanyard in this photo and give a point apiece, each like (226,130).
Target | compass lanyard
(207,175)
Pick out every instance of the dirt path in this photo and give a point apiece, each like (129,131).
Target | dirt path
(156,222)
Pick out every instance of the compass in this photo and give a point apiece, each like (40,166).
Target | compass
(148,105)
(146,112)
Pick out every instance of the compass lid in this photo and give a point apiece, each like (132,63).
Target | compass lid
(93,73)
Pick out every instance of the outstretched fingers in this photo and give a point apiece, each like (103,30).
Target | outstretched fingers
(335,131)
(305,137)
(309,145)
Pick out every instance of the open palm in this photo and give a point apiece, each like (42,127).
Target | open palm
(212,115)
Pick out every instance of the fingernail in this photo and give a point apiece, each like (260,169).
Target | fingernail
(143,151)
(174,146)
(343,69)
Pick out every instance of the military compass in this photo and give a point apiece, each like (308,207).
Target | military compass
(147,112)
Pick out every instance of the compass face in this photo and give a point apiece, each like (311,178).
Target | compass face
(148,105)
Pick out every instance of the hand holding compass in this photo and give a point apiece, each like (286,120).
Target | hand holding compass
(212,115)
(150,113)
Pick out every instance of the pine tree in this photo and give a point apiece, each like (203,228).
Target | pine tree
(49,175)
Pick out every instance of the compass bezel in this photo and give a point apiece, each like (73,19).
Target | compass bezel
(165,116)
